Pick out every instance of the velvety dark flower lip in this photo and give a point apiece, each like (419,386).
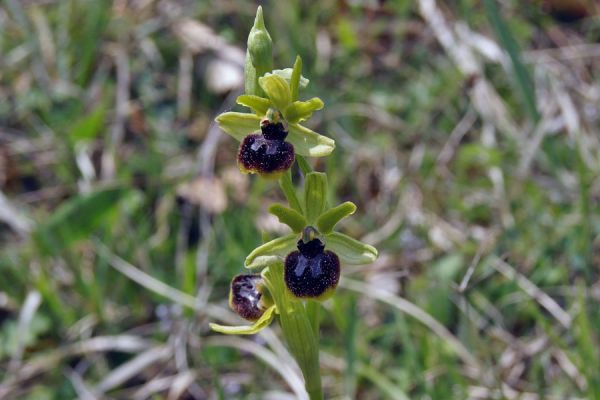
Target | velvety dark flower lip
(267,153)
(245,297)
(311,271)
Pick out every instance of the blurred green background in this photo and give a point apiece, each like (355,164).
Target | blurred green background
(467,133)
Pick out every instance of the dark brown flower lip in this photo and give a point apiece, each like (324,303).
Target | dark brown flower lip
(311,271)
(245,296)
(258,154)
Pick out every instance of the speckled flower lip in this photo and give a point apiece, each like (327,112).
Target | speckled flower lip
(266,153)
(245,297)
(311,271)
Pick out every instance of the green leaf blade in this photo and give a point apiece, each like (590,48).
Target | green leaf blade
(90,212)
(524,81)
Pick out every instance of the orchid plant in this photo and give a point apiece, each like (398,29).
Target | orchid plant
(292,274)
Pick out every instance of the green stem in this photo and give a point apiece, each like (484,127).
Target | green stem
(303,164)
(298,330)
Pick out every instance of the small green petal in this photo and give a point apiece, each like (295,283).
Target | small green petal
(277,89)
(295,78)
(288,216)
(302,110)
(238,125)
(288,73)
(315,195)
(270,252)
(349,250)
(327,221)
(309,143)
(258,104)
(261,323)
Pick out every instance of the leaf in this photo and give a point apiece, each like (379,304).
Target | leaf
(327,221)
(349,250)
(295,78)
(302,110)
(285,182)
(277,89)
(238,125)
(270,252)
(258,104)
(78,218)
(309,143)
(90,125)
(261,323)
(525,83)
(315,195)
(288,216)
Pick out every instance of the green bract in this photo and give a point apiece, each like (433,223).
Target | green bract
(259,55)
(313,212)
(281,95)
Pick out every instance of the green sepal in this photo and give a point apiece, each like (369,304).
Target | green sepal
(302,110)
(258,104)
(261,323)
(287,74)
(309,143)
(271,252)
(288,216)
(295,78)
(238,125)
(327,221)
(349,250)
(315,195)
(287,186)
(277,90)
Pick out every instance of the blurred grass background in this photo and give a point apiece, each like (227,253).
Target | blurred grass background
(467,133)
